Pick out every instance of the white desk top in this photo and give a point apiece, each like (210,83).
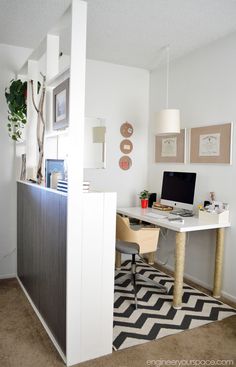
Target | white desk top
(190,223)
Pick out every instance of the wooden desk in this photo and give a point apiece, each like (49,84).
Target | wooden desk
(190,224)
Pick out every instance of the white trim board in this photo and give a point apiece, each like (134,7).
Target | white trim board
(56,345)
(7,276)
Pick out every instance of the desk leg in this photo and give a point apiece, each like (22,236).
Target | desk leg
(118,260)
(151,258)
(179,269)
(220,232)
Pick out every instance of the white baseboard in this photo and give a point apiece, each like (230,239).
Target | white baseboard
(228,296)
(58,348)
(7,276)
(201,283)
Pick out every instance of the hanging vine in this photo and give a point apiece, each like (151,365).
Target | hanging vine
(16,100)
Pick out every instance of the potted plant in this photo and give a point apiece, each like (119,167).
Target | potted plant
(144,195)
(16,101)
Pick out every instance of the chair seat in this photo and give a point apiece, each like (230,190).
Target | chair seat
(125,247)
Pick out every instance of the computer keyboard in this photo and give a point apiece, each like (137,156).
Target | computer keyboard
(156,216)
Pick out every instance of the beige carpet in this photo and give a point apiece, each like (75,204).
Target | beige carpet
(24,343)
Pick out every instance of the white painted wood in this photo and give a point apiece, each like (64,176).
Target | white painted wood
(52,56)
(190,223)
(97,285)
(108,266)
(75,175)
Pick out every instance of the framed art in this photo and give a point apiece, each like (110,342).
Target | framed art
(61,105)
(126,129)
(125,162)
(211,144)
(170,148)
(126,146)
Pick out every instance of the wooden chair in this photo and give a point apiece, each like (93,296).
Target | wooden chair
(136,242)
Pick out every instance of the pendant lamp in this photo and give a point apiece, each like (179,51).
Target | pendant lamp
(168,120)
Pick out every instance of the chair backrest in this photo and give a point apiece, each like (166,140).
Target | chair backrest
(147,238)
(123,230)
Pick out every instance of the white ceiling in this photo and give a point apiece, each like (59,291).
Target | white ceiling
(129,32)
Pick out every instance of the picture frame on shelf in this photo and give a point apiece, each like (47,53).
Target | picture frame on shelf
(171,148)
(61,105)
(211,144)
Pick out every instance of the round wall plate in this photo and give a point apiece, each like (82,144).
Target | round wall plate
(126,129)
(126,146)
(125,162)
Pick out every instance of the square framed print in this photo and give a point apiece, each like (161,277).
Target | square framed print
(170,148)
(211,144)
(61,105)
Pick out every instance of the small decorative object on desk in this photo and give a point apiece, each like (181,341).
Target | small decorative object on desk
(144,195)
(159,206)
(217,216)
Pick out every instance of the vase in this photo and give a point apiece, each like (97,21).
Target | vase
(144,203)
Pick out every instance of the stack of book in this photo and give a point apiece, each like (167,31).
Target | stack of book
(159,206)
(86,186)
(62,185)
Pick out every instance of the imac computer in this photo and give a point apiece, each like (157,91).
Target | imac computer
(178,191)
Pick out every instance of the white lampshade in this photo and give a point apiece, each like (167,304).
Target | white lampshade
(168,122)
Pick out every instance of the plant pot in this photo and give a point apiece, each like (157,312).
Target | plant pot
(144,203)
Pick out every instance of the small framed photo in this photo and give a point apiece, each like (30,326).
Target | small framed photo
(171,148)
(211,144)
(61,105)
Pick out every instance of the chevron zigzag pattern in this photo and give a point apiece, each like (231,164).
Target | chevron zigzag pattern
(155,316)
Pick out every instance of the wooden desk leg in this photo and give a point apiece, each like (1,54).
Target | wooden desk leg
(220,232)
(151,257)
(118,260)
(179,268)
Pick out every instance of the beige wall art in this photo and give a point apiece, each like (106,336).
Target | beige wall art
(211,144)
(170,148)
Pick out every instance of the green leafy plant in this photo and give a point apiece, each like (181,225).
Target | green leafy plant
(16,101)
(144,194)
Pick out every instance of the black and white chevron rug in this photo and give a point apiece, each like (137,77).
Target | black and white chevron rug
(155,316)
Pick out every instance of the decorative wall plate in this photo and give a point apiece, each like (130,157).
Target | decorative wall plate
(126,129)
(126,146)
(125,162)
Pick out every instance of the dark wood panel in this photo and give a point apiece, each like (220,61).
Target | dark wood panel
(41,260)
(29,235)
(53,256)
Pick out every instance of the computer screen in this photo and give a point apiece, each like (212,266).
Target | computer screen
(178,189)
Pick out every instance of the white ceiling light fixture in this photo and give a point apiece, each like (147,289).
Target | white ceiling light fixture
(168,120)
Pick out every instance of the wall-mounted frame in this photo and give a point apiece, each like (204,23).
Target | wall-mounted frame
(211,144)
(125,162)
(126,146)
(61,105)
(171,148)
(126,129)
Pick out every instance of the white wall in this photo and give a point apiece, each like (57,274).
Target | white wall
(203,86)
(118,94)
(11,60)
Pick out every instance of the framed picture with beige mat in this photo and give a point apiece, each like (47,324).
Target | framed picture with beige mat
(211,144)
(171,148)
